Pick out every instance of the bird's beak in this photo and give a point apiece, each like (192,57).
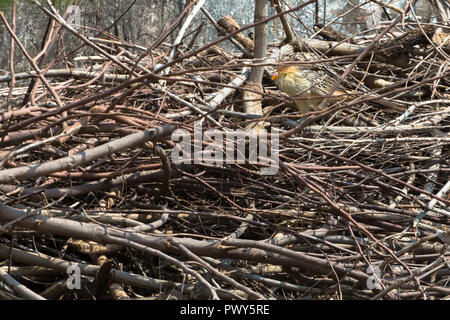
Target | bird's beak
(275,76)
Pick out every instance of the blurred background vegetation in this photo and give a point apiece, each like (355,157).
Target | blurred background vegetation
(142,21)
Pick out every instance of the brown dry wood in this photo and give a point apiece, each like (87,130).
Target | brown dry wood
(230,25)
(349,201)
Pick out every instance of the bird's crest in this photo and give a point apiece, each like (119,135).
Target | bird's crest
(283,70)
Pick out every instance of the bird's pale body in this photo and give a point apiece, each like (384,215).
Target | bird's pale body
(307,87)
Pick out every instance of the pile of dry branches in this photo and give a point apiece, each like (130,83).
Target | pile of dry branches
(359,207)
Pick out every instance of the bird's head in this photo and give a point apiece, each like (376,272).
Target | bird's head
(283,71)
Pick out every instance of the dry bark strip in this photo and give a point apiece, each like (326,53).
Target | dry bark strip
(102,234)
(67,163)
